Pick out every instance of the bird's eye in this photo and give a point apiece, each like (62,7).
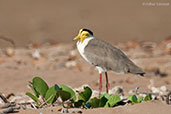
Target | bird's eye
(87,34)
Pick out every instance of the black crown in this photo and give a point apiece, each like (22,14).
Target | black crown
(88,31)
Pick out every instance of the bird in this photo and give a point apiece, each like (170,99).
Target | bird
(104,56)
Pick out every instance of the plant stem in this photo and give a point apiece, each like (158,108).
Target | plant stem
(45,101)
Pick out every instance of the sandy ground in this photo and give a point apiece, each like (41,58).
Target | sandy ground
(61,64)
(153,107)
(40,34)
(43,21)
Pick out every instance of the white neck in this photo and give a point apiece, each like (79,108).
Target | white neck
(81,46)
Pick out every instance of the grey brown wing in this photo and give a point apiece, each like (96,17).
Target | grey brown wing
(104,55)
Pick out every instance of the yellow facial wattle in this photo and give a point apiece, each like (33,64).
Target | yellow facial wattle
(82,35)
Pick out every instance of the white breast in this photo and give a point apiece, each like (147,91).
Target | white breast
(81,46)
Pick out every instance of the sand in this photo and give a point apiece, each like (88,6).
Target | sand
(39,34)
(43,21)
(62,64)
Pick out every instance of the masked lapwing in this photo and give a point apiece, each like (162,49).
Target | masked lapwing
(104,56)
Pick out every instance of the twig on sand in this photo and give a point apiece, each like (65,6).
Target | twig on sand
(146,93)
(33,105)
(9,95)
(143,92)
(11,109)
(3,98)
(26,103)
(6,105)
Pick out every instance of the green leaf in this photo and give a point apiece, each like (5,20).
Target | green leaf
(34,90)
(51,94)
(106,95)
(103,99)
(33,97)
(112,101)
(133,99)
(40,85)
(85,95)
(78,104)
(140,99)
(64,95)
(94,102)
(148,97)
(69,90)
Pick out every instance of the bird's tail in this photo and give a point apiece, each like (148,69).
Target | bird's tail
(135,69)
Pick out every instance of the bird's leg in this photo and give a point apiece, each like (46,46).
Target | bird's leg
(107,83)
(100,85)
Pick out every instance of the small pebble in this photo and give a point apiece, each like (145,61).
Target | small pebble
(70,64)
(64,110)
(36,54)
(73,52)
(9,52)
(168,99)
(163,88)
(155,90)
(116,90)
(76,111)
